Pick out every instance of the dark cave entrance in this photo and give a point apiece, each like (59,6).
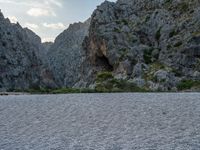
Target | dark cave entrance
(104,63)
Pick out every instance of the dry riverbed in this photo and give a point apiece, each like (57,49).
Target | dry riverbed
(163,121)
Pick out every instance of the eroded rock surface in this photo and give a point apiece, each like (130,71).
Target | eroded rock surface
(21,64)
(162,35)
(66,54)
(153,44)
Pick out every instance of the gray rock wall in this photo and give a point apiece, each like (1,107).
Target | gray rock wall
(66,54)
(153,44)
(20,63)
(162,35)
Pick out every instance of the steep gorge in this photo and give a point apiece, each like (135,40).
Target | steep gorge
(153,45)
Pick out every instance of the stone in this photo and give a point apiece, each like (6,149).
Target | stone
(161,75)
(66,54)
(139,69)
(146,32)
(20,58)
(139,82)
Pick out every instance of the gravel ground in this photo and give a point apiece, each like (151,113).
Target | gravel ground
(164,121)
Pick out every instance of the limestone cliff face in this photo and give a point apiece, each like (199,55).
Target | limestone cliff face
(20,64)
(155,43)
(152,44)
(47,46)
(66,55)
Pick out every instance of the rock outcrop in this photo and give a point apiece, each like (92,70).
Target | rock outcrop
(20,63)
(155,44)
(66,54)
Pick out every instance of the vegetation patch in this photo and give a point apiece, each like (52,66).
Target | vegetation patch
(151,57)
(123,53)
(177,72)
(173,33)
(123,21)
(111,84)
(158,34)
(184,6)
(55,91)
(149,76)
(188,84)
(196,34)
(148,56)
(103,76)
(117,30)
(178,44)
(168,1)
(198,64)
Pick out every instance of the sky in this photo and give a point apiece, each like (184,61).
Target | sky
(48,18)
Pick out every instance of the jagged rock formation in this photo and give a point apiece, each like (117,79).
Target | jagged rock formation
(20,64)
(66,54)
(154,44)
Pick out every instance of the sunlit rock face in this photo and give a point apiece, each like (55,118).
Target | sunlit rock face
(154,41)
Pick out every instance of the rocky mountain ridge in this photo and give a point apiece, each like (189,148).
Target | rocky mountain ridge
(128,45)
(20,64)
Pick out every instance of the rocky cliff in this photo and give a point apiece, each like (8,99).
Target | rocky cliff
(153,44)
(130,45)
(20,63)
(66,54)
(47,46)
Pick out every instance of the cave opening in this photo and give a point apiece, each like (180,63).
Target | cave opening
(103,62)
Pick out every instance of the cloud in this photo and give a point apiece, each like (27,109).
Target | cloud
(35,3)
(54,25)
(13,19)
(48,39)
(31,25)
(54,2)
(36,12)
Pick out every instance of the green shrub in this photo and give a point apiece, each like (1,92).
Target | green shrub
(125,22)
(158,34)
(169,47)
(37,90)
(56,91)
(72,90)
(168,1)
(178,44)
(184,6)
(152,69)
(110,84)
(120,86)
(188,84)
(177,73)
(123,53)
(65,90)
(102,76)
(148,56)
(117,30)
(173,33)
